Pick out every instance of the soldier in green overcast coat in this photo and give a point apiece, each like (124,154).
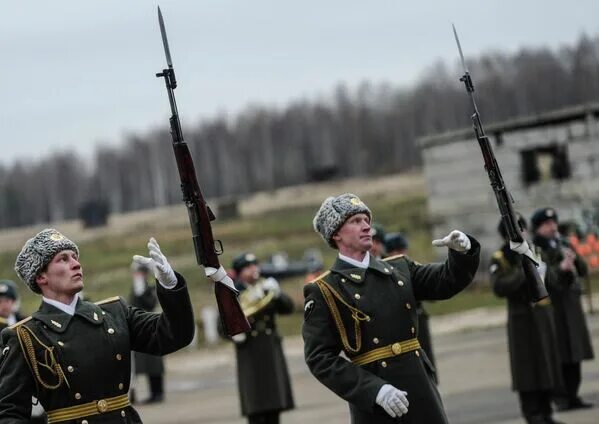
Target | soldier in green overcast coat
(262,375)
(534,353)
(73,355)
(365,308)
(565,289)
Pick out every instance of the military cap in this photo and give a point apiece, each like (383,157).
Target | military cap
(333,213)
(521,223)
(243,260)
(541,215)
(395,241)
(38,252)
(378,232)
(8,289)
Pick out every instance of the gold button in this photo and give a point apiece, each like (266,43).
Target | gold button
(254,333)
(77,396)
(119,356)
(357,296)
(408,306)
(396,348)
(383,364)
(367,319)
(103,313)
(343,280)
(400,283)
(102,406)
(84,422)
(60,343)
(375,340)
(386,270)
(123,414)
(413,330)
(70,368)
(268,331)
(121,386)
(417,353)
(111,331)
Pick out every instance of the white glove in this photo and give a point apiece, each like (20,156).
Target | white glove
(239,338)
(219,276)
(455,240)
(272,285)
(393,401)
(157,262)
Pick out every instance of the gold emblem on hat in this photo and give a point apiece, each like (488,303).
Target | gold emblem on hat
(355,201)
(250,257)
(59,325)
(56,236)
(549,212)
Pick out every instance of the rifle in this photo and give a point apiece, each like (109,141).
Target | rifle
(200,214)
(505,201)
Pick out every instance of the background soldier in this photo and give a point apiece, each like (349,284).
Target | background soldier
(73,355)
(534,358)
(565,288)
(143,296)
(262,375)
(9,301)
(396,244)
(365,308)
(378,249)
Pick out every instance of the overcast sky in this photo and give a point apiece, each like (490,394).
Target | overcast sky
(78,73)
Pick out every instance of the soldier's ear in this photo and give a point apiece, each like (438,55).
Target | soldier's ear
(41,279)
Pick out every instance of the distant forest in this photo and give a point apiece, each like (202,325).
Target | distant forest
(358,131)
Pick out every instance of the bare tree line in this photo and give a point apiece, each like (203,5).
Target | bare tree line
(361,131)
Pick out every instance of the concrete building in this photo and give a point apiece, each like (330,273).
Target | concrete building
(550,159)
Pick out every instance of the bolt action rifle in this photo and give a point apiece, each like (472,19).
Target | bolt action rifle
(200,214)
(535,284)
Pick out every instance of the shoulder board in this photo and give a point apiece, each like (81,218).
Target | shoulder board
(16,324)
(3,320)
(498,255)
(320,277)
(109,300)
(390,258)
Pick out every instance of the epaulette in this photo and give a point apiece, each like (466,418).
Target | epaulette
(320,277)
(3,320)
(109,300)
(498,255)
(390,258)
(16,324)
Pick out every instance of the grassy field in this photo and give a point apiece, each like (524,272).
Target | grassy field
(106,253)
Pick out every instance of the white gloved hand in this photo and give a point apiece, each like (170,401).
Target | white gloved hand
(158,264)
(272,285)
(219,276)
(239,338)
(455,240)
(393,401)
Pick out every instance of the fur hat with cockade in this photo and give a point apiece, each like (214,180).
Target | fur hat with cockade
(38,252)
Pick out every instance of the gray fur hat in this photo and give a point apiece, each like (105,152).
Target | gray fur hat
(38,252)
(333,213)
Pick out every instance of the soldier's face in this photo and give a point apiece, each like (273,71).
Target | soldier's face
(63,275)
(250,274)
(378,248)
(6,306)
(354,235)
(548,229)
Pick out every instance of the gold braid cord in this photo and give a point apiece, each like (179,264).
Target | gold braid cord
(329,295)
(24,334)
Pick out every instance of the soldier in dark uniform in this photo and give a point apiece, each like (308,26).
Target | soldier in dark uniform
(396,244)
(567,270)
(378,249)
(74,356)
(262,375)
(365,308)
(143,296)
(9,313)
(534,357)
